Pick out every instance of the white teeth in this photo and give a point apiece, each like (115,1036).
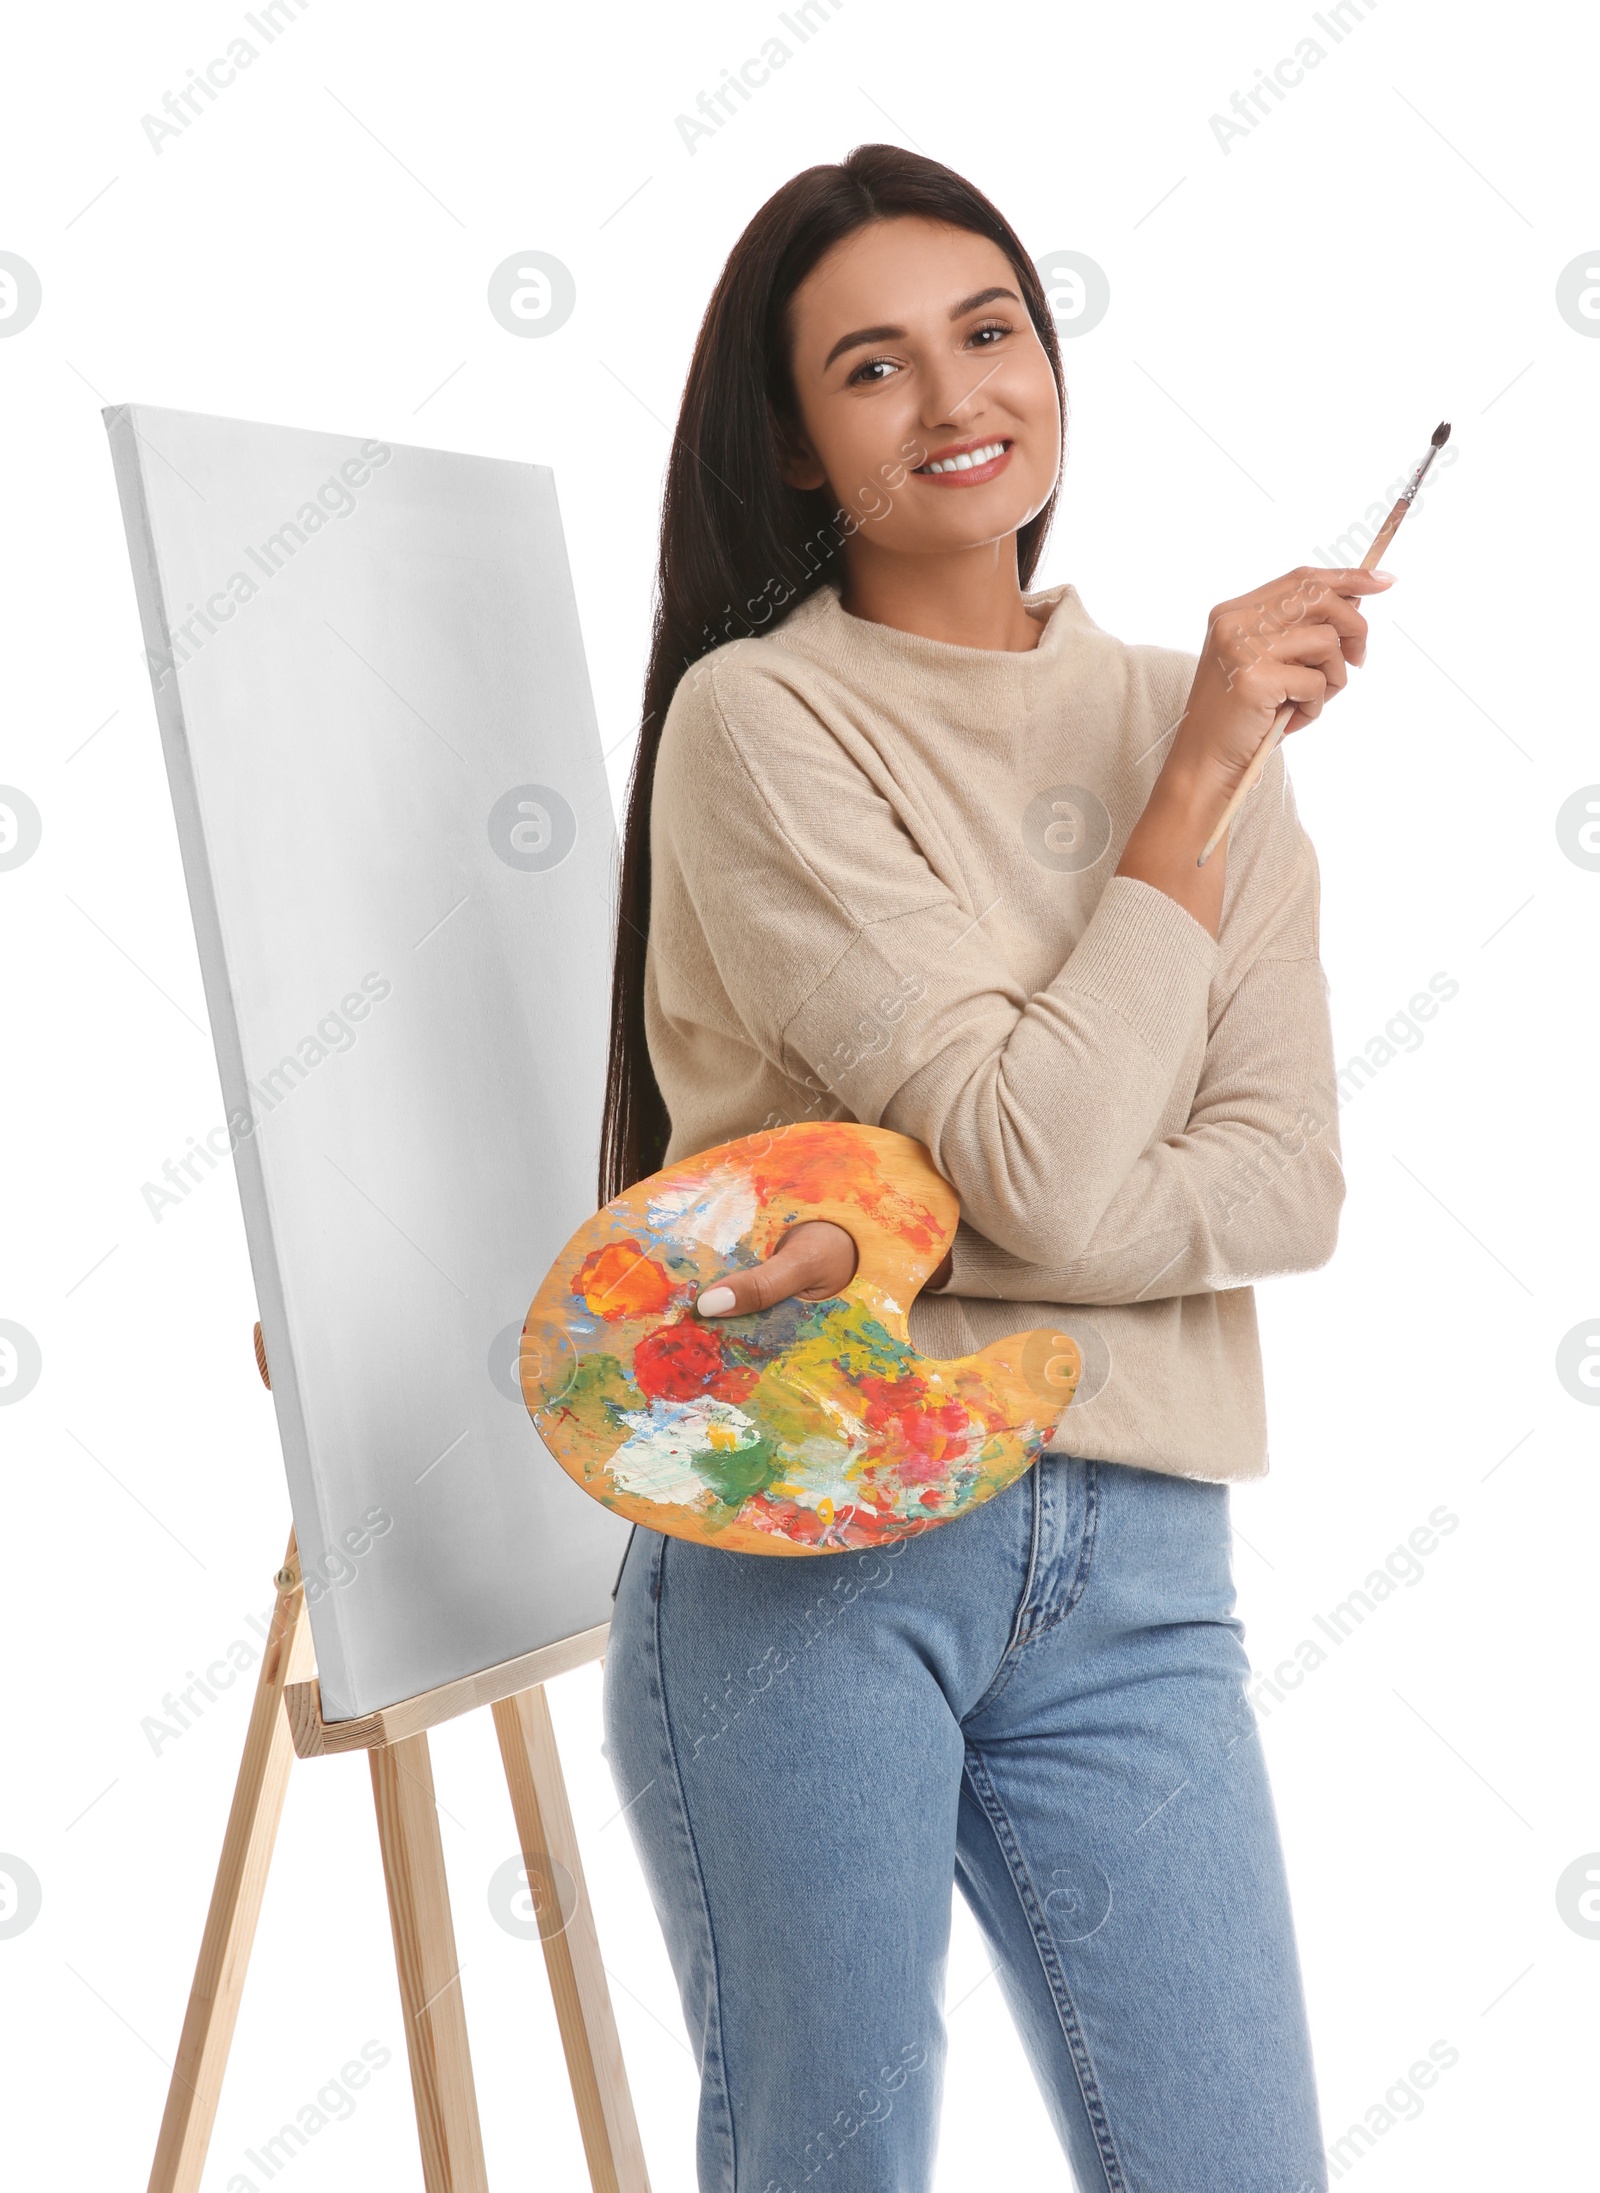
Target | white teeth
(971,457)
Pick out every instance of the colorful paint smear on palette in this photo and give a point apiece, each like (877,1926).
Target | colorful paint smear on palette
(807,1428)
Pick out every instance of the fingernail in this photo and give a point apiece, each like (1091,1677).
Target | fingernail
(715,1302)
(1383,575)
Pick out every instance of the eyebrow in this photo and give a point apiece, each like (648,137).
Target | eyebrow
(865,335)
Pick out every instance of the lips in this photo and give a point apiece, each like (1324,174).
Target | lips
(966,464)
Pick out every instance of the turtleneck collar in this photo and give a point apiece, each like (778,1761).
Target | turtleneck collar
(822,627)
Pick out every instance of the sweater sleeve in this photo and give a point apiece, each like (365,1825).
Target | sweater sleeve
(1252,1187)
(853,961)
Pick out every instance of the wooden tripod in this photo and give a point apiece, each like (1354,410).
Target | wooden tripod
(286,1721)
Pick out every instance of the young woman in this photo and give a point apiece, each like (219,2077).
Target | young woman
(911,845)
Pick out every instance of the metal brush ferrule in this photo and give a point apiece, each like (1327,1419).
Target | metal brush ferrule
(1408,492)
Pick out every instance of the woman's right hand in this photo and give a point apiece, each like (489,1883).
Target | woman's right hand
(1292,639)
(815,1260)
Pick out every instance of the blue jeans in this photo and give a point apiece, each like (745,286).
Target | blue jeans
(1042,1702)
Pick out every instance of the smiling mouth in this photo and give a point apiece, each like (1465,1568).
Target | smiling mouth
(961,462)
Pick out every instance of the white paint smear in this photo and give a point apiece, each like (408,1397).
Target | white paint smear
(659,1461)
(717,1216)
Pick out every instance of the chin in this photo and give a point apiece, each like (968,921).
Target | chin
(980,528)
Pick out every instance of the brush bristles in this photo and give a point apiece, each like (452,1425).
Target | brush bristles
(1441,434)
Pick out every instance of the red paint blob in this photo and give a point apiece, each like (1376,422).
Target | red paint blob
(676,1362)
(679,1361)
(925,1434)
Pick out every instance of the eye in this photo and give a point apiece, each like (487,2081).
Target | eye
(990,327)
(861,371)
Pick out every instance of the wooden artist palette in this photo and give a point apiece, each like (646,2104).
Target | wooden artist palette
(812,1427)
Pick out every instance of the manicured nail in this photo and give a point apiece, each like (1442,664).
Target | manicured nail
(715,1302)
(1383,575)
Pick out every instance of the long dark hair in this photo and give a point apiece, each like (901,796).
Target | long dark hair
(731,526)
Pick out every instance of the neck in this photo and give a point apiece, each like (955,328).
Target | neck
(968,598)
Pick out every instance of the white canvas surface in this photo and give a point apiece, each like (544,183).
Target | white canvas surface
(398,844)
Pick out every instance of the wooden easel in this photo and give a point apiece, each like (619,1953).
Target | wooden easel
(285,1721)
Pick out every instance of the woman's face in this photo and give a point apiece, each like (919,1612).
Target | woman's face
(912,346)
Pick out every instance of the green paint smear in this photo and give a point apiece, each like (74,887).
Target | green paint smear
(734,1474)
(596,1393)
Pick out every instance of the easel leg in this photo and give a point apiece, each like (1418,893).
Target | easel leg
(235,1901)
(430,1980)
(572,1952)
(424,1938)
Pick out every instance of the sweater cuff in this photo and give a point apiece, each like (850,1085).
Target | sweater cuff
(976,1265)
(1149,959)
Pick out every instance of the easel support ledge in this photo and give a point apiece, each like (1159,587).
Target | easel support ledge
(314,1738)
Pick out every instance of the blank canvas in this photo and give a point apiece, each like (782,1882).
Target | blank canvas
(398,843)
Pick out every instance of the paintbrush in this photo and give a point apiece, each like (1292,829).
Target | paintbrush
(1369,562)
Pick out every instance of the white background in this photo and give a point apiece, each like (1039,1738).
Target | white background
(1289,318)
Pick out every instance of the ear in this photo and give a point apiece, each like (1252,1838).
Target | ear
(797,461)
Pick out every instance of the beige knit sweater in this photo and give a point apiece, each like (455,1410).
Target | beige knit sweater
(883,890)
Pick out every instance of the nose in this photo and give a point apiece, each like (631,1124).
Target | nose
(955,389)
